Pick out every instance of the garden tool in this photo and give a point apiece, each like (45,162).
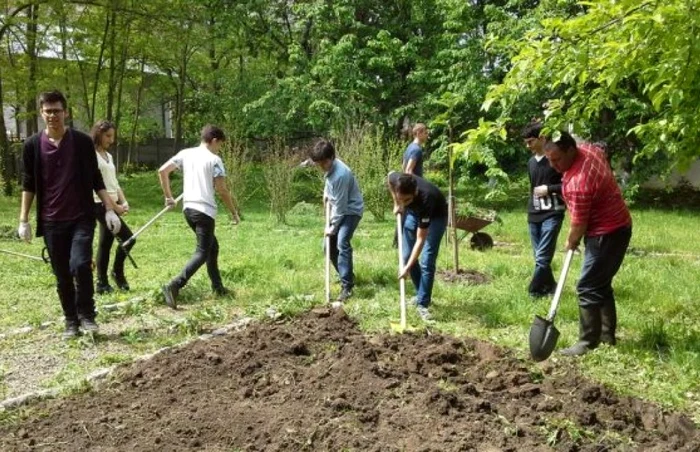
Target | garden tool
(145,226)
(327,243)
(543,333)
(44,255)
(402,282)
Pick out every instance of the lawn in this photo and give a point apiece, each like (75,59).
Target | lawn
(267,264)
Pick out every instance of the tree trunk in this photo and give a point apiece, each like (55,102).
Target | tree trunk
(453,210)
(112,62)
(139,93)
(5,154)
(30,105)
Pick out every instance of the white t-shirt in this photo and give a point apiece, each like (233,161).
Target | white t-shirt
(199,167)
(109,175)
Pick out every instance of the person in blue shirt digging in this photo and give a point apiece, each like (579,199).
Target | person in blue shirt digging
(343,193)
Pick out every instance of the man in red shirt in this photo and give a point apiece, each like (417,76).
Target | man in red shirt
(599,216)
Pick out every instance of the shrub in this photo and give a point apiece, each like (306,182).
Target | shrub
(239,169)
(370,157)
(278,169)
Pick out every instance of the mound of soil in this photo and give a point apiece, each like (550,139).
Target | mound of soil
(464,276)
(317,383)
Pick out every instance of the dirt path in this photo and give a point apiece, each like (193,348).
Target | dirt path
(317,383)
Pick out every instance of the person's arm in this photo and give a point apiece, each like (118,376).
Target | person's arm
(121,200)
(28,190)
(421,236)
(164,178)
(576,233)
(25,207)
(410,166)
(580,204)
(223,192)
(108,203)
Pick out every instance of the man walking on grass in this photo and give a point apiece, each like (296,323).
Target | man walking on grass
(203,175)
(545,211)
(60,171)
(599,216)
(425,223)
(343,193)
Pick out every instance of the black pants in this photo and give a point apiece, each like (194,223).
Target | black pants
(104,245)
(207,250)
(70,249)
(603,257)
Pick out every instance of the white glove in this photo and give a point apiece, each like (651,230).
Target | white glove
(25,231)
(113,222)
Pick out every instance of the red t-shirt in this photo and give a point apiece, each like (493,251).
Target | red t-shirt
(592,195)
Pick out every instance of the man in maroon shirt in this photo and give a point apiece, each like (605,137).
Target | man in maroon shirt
(60,170)
(599,216)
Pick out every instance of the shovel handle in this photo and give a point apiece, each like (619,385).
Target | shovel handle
(150,222)
(402,281)
(560,285)
(327,240)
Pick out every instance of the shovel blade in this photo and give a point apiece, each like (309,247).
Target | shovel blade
(543,338)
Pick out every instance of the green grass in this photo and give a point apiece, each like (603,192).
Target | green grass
(273,265)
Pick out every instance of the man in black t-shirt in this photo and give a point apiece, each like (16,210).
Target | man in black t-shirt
(545,211)
(425,208)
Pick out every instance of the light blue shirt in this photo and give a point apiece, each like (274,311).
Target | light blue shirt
(343,192)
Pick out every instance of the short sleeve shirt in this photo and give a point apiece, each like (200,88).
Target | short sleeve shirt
(414,152)
(200,167)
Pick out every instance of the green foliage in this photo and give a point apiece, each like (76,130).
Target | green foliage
(239,166)
(278,169)
(370,156)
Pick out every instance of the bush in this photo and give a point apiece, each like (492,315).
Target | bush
(370,157)
(239,169)
(278,169)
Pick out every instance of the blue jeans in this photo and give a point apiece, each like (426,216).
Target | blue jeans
(602,259)
(543,237)
(341,250)
(207,250)
(423,273)
(70,249)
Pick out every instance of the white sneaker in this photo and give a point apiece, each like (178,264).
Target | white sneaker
(424,313)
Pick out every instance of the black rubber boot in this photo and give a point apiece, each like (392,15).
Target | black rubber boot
(589,331)
(608,318)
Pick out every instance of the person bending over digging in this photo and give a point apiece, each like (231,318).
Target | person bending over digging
(343,193)
(60,170)
(425,210)
(545,211)
(599,216)
(203,174)
(103,136)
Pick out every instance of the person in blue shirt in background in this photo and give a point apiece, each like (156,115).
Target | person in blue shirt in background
(413,156)
(343,193)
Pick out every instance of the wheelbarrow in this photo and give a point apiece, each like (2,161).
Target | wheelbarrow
(479,241)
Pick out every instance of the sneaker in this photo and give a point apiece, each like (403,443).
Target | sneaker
(344,295)
(71,331)
(103,287)
(121,281)
(89,326)
(424,314)
(170,295)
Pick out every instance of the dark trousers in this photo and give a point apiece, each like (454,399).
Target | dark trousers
(104,245)
(69,244)
(603,257)
(341,250)
(207,250)
(543,236)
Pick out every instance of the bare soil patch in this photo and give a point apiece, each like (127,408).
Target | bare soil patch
(464,276)
(317,383)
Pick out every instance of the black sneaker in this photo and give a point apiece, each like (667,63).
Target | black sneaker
(221,291)
(120,280)
(103,287)
(72,331)
(89,326)
(170,295)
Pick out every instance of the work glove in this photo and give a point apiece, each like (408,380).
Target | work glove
(112,221)
(25,231)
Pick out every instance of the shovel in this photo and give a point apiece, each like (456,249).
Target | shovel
(543,334)
(149,223)
(44,255)
(327,242)
(402,282)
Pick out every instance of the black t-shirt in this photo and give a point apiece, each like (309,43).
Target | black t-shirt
(540,209)
(429,202)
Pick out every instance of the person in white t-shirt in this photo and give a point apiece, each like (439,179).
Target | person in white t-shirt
(102,134)
(203,175)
